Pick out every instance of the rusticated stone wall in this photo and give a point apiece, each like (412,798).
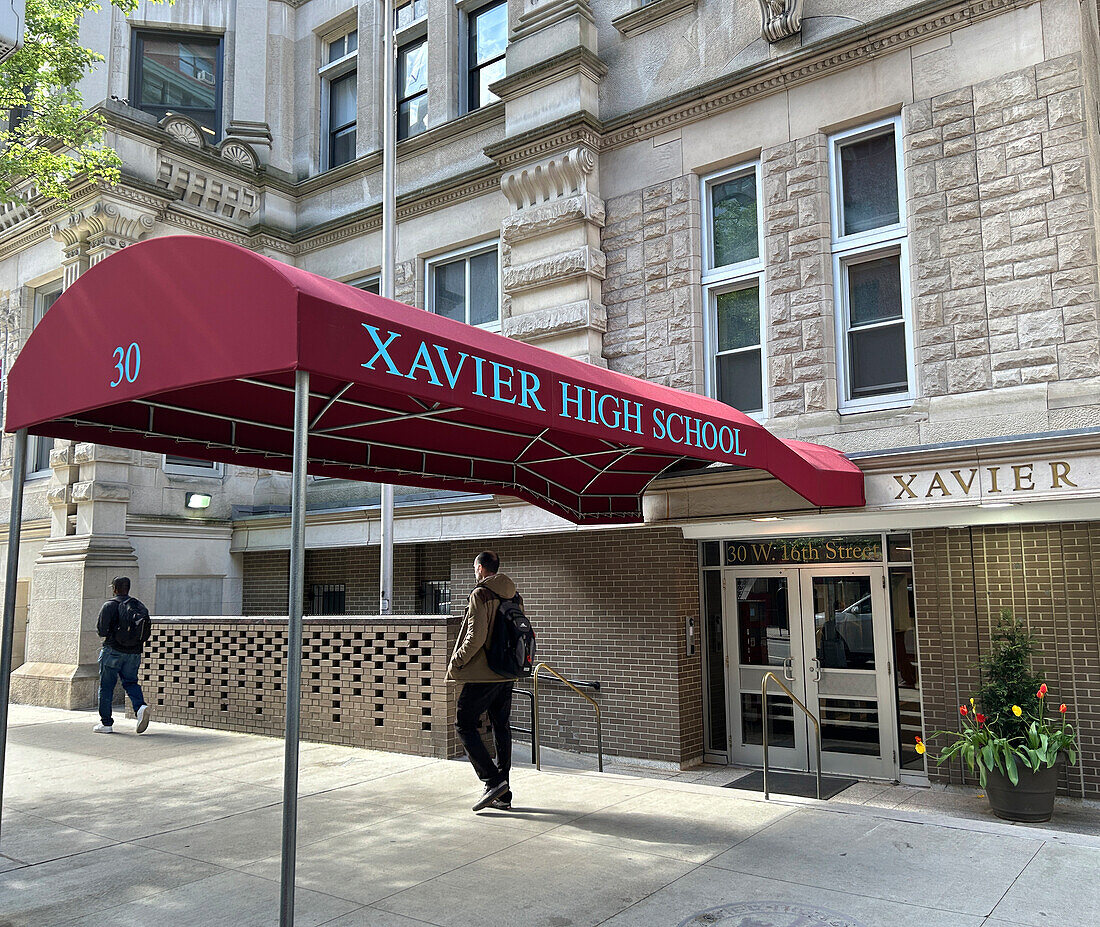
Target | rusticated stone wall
(1002,238)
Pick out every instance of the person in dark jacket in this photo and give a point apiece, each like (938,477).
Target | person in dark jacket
(119,659)
(483,691)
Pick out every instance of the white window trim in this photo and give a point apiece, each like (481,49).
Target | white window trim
(215,471)
(718,280)
(328,73)
(862,246)
(360,282)
(465,253)
(40,292)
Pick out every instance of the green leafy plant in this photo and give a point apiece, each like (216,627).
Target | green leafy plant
(50,138)
(1007,677)
(1012,730)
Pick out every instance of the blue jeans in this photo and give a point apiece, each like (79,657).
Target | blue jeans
(112,667)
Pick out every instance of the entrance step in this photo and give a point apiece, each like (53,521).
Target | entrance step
(802,785)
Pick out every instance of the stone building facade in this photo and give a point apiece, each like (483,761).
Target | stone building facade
(872,227)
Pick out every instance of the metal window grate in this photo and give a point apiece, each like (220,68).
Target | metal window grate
(326,599)
(435,597)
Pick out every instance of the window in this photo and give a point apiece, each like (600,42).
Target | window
(327,599)
(178,74)
(488,39)
(435,597)
(188,466)
(412,88)
(371,284)
(465,286)
(733,280)
(870,267)
(409,14)
(39,447)
(339,106)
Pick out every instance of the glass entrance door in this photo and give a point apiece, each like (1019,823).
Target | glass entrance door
(848,675)
(764,633)
(825,632)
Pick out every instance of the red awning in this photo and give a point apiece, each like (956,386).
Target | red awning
(188,346)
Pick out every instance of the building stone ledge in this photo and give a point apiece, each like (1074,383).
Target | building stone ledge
(575,61)
(579,262)
(651,15)
(548,217)
(559,320)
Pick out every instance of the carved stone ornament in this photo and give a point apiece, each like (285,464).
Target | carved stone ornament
(186,130)
(782,18)
(240,153)
(564,174)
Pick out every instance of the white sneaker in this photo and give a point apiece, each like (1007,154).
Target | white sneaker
(144,713)
(103,729)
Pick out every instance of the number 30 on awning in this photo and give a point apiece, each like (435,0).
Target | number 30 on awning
(127,363)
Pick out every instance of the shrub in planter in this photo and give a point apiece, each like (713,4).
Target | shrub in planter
(1015,749)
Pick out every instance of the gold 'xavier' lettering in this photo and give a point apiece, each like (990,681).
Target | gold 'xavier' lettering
(965,486)
(906,486)
(1018,471)
(937,483)
(1059,474)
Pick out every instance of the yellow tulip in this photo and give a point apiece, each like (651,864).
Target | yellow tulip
(920,749)
(972,703)
(1017,710)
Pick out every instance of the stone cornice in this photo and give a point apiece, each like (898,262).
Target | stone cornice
(581,128)
(851,48)
(574,61)
(549,12)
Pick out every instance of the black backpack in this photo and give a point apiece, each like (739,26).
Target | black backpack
(134,627)
(510,651)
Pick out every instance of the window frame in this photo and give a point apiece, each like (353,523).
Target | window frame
(725,278)
(465,254)
(858,248)
(366,281)
(467,64)
(329,72)
(413,34)
(34,442)
(215,471)
(138,35)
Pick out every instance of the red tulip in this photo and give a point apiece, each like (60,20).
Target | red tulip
(963,710)
(980,718)
(1042,691)
(1062,708)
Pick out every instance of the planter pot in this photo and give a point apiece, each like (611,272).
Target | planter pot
(1031,801)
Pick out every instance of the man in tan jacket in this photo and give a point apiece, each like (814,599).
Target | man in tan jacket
(484,691)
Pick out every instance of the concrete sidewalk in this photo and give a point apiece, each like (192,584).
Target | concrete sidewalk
(180,827)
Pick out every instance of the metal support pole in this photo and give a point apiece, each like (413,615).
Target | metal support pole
(389,240)
(294,646)
(11,581)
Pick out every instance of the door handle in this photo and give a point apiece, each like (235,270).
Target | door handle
(815,669)
(788,669)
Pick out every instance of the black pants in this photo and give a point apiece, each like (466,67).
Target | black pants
(476,699)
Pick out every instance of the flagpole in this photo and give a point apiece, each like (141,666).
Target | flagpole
(389,237)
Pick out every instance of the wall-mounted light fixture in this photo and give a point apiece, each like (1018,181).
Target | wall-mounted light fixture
(198,500)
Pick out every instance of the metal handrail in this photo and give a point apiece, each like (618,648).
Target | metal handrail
(523,730)
(535,713)
(764,715)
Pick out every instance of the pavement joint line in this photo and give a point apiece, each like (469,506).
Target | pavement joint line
(1015,880)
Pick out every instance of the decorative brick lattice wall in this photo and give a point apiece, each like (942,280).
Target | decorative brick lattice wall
(365,682)
(1048,575)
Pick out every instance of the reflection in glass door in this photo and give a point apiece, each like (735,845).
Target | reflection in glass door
(848,681)
(762,610)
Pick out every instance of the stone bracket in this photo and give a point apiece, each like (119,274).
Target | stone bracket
(782,18)
(560,175)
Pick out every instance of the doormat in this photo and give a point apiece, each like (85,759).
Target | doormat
(803,785)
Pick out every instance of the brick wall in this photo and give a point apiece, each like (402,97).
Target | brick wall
(265,577)
(1048,575)
(609,606)
(365,682)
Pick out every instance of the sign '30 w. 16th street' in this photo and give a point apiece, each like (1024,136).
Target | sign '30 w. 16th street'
(470,375)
